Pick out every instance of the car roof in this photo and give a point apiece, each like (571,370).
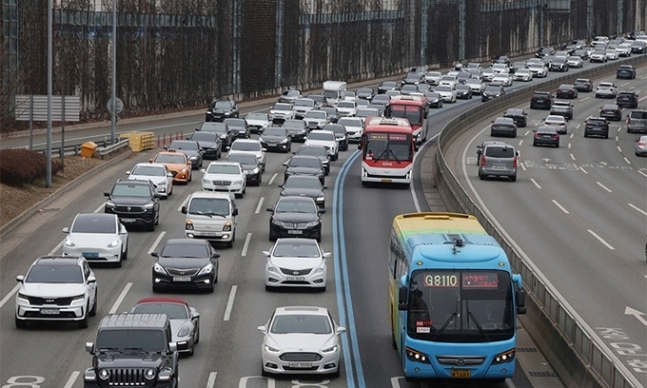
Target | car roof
(224,163)
(610,106)
(162,299)
(305,176)
(305,157)
(57,260)
(296,198)
(561,102)
(514,111)
(310,310)
(503,120)
(323,131)
(547,128)
(247,141)
(134,320)
(101,216)
(211,194)
(556,118)
(185,241)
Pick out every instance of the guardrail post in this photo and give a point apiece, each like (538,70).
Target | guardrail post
(76,150)
(158,140)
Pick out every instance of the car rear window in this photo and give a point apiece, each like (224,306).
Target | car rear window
(499,152)
(639,115)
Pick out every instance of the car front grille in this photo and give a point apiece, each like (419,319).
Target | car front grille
(296,272)
(129,209)
(300,357)
(127,377)
(221,183)
(35,301)
(182,272)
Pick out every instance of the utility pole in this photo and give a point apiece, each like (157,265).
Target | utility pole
(50,21)
(113,111)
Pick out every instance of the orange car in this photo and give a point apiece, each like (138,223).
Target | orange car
(177,163)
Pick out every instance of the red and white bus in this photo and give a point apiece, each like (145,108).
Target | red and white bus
(412,108)
(388,147)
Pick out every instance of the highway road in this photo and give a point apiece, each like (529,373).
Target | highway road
(579,213)
(356,229)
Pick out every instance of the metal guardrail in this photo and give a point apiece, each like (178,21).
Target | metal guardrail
(103,151)
(585,360)
(70,149)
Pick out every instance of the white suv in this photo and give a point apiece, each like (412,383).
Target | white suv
(57,288)
(211,216)
(326,139)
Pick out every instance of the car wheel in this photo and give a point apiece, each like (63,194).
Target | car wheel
(336,373)
(230,244)
(557,145)
(513,178)
(259,179)
(211,289)
(197,334)
(118,263)
(20,324)
(263,372)
(93,311)
(482,177)
(83,324)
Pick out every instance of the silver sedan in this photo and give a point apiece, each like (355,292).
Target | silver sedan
(641,146)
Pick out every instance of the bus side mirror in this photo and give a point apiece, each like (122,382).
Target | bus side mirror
(402,299)
(359,146)
(520,296)
(415,146)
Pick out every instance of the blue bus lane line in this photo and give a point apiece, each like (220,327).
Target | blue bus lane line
(342,285)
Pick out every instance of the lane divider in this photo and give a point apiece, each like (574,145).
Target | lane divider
(120,299)
(230,302)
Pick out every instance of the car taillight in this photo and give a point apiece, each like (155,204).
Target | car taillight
(483,160)
(514,163)
(555,136)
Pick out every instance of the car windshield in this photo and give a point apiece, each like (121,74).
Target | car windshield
(306,103)
(148,170)
(316,114)
(94,223)
(209,206)
(275,131)
(189,251)
(184,145)
(312,151)
(365,91)
(221,168)
(173,159)
(302,182)
(55,274)
(242,158)
(257,116)
(246,146)
(389,84)
(536,65)
(282,107)
(492,89)
(348,122)
(330,110)
(291,93)
(305,162)
(296,248)
(294,124)
(223,105)
(218,128)
(291,206)
(131,190)
(204,136)
(346,104)
(235,122)
(301,324)
(317,135)
(173,310)
(120,339)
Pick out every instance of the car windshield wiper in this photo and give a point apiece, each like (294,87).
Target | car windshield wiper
(444,326)
(201,213)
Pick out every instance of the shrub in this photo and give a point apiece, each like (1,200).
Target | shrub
(19,167)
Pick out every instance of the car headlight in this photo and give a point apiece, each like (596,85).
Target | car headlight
(312,224)
(272,268)
(184,331)
(149,374)
(329,350)
(184,170)
(110,204)
(207,269)
(113,244)
(23,297)
(104,374)
(158,268)
(206,181)
(149,205)
(193,157)
(238,182)
(284,141)
(255,171)
(78,298)
(165,374)
(320,199)
(227,227)
(69,242)
(270,349)
(321,268)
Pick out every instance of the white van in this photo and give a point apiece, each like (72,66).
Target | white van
(333,92)
(211,216)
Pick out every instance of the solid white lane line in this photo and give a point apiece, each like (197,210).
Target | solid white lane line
(120,299)
(56,248)
(626,160)
(102,206)
(212,380)
(230,302)
(260,205)
(246,246)
(601,240)
(272,179)
(561,207)
(585,98)
(645,175)
(583,170)
(157,241)
(535,182)
(572,156)
(186,200)
(638,209)
(604,187)
(9,295)
(71,380)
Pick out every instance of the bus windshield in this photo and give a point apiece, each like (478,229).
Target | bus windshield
(409,112)
(460,306)
(388,146)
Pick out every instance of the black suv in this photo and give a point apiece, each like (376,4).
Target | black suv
(221,109)
(596,126)
(133,350)
(626,72)
(134,202)
(541,100)
(627,99)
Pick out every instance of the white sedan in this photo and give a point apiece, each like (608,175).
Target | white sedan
(447,92)
(575,61)
(503,78)
(347,108)
(326,139)
(557,121)
(225,176)
(538,70)
(523,75)
(301,340)
(99,237)
(295,262)
(157,173)
(354,128)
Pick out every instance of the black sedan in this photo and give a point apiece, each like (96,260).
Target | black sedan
(434,98)
(305,186)
(251,166)
(220,129)
(546,135)
(333,113)
(210,144)
(492,91)
(187,264)
(566,91)
(519,116)
(503,126)
(190,148)
(276,139)
(387,85)
(295,216)
(463,91)
(501,59)
(542,52)
(304,165)
(558,64)
(238,128)
(221,109)
(298,129)
(365,93)
(611,112)
(316,150)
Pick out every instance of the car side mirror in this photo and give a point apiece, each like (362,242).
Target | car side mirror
(184,210)
(327,255)
(92,279)
(262,329)
(127,172)
(340,330)
(285,164)
(202,170)
(215,255)
(516,153)
(155,254)
(172,347)
(106,194)
(234,212)
(157,195)
(269,209)
(89,347)
(359,146)
(20,278)
(321,211)
(66,230)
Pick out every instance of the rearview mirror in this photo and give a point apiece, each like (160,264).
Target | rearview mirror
(66,230)
(184,210)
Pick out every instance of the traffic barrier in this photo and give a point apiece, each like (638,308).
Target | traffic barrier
(140,141)
(162,138)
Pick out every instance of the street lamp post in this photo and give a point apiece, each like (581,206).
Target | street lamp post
(113,111)
(50,21)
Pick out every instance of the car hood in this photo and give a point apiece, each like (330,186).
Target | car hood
(353,129)
(345,110)
(295,217)
(99,240)
(189,153)
(177,167)
(141,360)
(305,170)
(208,144)
(296,263)
(157,180)
(176,324)
(262,123)
(272,138)
(52,290)
(182,263)
(302,342)
(321,142)
(280,112)
(137,201)
(312,193)
(221,177)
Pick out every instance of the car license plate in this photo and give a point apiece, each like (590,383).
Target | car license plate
(222,188)
(50,311)
(206,234)
(128,220)
(498,167)
(90,255)
(461,374)
(295,231)
(181,278)
(387,180)
(295,278)
(300,365)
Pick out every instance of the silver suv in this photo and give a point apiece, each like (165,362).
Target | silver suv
(637,121)
(498,160)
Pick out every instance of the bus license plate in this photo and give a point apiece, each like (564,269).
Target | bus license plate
(181,278)
(387,180)
(49,312)
(461,374)
(300,365)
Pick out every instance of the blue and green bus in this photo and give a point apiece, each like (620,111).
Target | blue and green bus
(453,298)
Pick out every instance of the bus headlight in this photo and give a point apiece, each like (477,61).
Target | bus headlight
(506,356)
(414,355)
